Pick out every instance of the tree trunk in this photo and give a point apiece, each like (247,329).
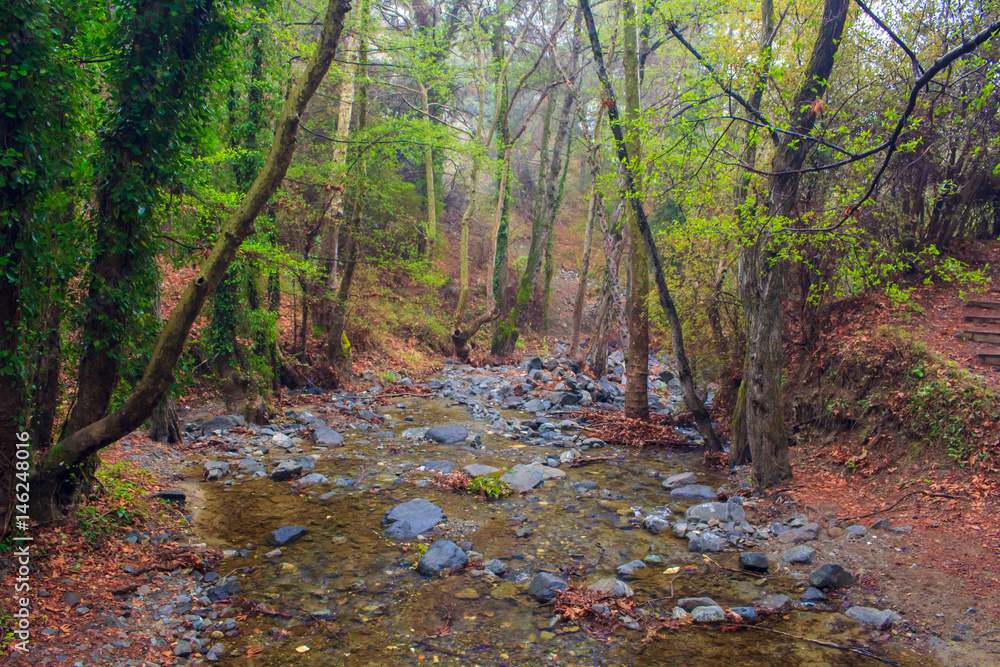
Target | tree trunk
(337,346)
(637,363)
(430,232)
(763,269)
(694,403)
(581,289)
(51,468)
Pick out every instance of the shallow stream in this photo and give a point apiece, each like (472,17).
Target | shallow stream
(383,613)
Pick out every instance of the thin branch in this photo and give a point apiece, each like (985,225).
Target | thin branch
(917,69)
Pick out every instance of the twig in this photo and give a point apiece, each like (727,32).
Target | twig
(827,644)
(904,497)
(730,569)
(592,459)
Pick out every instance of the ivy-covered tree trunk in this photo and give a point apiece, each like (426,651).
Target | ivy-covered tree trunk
(504,334)
(637,362)
(51,468)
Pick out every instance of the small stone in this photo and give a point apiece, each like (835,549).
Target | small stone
(856,532)
(629,569)
(467,594)
(799,554)
(615,587)
(183,649)
(72,599)
(813,595)
(882,524)
(748,614)
(442,555)
(545,586)
(775,603)
(830,575)
(754,561)
(656,524)
(699,491)
(287,535)
(707,614)
(877,618)
(690,603)
(679,480)
(495,566)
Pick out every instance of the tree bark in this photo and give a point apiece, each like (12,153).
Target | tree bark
(637,362)
(694,403)
(158,375)
(581,288)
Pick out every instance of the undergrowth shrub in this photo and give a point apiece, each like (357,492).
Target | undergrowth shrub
(890,376)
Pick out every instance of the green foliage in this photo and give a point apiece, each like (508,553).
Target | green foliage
(120,502)
(490,486)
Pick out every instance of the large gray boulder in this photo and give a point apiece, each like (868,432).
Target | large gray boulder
(407,520)
(447,435)
(442,555)
(724,512)
(523,478)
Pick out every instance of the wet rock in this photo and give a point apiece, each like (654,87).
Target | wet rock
(774,603)
(495,566)
(615,587)
(830,575)
(447,435)
(724,512)
(222,423)
(407,520)
(707,614)
(799,554)
(312,479)
(698,491)
(215,469)
(748,614)
(679,480)
(442,466)
(629,569)
(876,618)
(326,436)
(178,497)
(477,469)
(523,478)
(856,532)
(442,555)
(706,543)
(533,405)
(753,561)
(293,467)
(414,433)
(656,524)
(223,591)
(287,535)
(680,528)
(544,586)
(467,594)
(812,595)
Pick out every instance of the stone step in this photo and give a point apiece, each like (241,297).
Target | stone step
(983,319)
(984,303)
(990,358)
(982,336)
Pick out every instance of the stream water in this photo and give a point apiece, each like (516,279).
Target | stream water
(382,612)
